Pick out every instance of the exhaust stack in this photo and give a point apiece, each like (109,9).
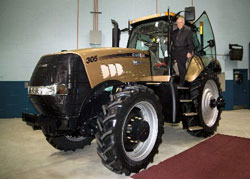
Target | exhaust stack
(116,32)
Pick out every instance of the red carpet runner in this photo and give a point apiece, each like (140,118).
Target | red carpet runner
(220,157)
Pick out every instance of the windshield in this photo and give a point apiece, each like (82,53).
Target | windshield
(151,36)
(146,35)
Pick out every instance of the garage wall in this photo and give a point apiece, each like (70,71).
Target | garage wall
(32,28)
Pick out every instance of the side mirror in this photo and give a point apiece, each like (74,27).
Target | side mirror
(190,13)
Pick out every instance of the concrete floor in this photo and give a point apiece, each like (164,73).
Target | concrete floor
(24,153)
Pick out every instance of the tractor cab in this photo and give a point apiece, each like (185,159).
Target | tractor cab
(153,34)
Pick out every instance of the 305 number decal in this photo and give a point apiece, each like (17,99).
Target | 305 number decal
(91,59)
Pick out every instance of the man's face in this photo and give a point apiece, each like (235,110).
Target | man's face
(180,23)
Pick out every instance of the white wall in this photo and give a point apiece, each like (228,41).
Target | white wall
(230,20)
(32,28)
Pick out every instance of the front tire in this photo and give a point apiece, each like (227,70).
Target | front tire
(68,142)
(130,133)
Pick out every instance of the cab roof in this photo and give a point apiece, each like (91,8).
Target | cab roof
(151,17)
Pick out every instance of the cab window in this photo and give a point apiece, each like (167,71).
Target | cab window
(152,36)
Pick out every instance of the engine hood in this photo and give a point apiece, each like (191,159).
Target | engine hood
(121,64)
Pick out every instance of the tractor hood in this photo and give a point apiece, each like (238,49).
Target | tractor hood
(120,64)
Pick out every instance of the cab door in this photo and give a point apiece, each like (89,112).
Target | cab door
(204,36)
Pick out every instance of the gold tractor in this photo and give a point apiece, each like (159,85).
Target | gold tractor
(122,96)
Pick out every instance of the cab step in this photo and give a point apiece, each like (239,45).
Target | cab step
(186,100)
(195,128)
(182,88)
(190,114)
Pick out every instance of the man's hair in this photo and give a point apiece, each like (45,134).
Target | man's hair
(182,19)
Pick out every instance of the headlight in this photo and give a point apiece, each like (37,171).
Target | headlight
(51,90)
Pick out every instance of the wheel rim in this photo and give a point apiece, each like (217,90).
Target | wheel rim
(142,149)
(210,92)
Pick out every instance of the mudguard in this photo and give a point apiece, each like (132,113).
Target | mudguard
(195,67)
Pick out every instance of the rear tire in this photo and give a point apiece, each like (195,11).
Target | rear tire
(121,150)
(203,90)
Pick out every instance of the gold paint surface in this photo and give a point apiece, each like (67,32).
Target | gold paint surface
(114,64)
(194,69)
(163,78)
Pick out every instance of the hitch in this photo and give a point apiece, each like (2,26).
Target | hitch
(51,125)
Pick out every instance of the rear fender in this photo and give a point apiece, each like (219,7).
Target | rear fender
(195,67)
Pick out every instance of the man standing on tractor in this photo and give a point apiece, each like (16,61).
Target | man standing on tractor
(182,47)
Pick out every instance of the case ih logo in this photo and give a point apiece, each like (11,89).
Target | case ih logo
(111,70)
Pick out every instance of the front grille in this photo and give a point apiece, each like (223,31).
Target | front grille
(65,69)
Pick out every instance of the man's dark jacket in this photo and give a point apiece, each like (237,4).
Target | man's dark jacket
(183,39)
(182,44)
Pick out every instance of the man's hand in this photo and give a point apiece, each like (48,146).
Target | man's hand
(189,55)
